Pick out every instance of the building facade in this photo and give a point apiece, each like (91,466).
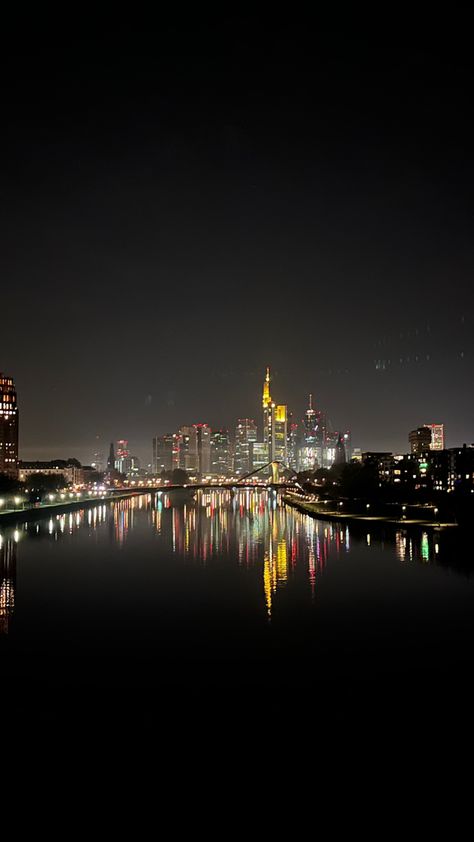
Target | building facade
(8,427)
(437,436)
(165,453)
(275,425)
(203,438)
(259,457)
(420,439)
(188,449)
(220,453)
(245,435)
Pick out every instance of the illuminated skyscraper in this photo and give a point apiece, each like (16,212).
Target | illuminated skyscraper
(122,457)
(220,453)
(188,453)
(245,435)
(275,424)
(203,433)
(292,443)
(311,450)
(259,456)
(280,434)
(165,453)
(437,436)
(8,427)
(348,445)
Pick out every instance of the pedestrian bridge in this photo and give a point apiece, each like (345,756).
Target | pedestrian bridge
(250,480)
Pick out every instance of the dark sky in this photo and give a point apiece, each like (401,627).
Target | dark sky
(185,203)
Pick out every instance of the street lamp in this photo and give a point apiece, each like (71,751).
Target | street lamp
(436,512)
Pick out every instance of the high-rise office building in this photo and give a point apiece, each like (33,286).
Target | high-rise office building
(245,434)
(122,457)
(280,434)
(220,453)
(331,439)
(420,439)
(314,436)
(188,451)
(8,427)
(203,434)
(267,405)
(308,458)
(340,455)
(259,457)
(111,459)
(165,453)
(437,436)
(292,443)
(348,445)
(275,425)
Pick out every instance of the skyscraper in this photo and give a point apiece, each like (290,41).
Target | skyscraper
(165,453)
(220,453)
(292,443)
(340,455)
(280,433)
(310,452)
(203,433)
(122,457)
(267,406)
(245,434)
(111,459)
(420,439)
(8,427)
(188,452)
(275,425)
(437,436)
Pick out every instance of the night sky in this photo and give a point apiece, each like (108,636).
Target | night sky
(183,204)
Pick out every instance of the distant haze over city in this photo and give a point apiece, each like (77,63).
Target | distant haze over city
(182,208)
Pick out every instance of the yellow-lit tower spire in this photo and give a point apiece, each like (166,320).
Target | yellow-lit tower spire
(266,389)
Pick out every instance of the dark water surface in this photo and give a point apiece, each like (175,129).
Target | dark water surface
(166,594)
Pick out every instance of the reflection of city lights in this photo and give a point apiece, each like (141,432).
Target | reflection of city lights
(252,527)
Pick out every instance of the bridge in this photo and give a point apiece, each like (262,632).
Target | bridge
(240,482)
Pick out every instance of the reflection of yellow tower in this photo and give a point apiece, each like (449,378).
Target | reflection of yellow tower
(275,561)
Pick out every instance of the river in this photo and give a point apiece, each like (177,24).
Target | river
(230,590)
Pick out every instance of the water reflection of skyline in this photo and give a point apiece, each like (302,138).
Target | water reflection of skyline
(8,552)
(254,525)
(250,526)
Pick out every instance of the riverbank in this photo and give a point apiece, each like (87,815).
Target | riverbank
(27,513)
(331,511)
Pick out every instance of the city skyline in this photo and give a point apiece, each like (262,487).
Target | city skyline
(168,231)
(301,444)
